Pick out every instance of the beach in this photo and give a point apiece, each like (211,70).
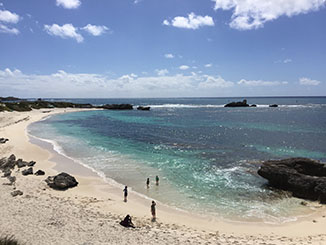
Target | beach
(90,213)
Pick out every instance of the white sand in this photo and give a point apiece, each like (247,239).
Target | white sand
(90,213)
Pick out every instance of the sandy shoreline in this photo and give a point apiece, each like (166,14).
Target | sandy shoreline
(89,213)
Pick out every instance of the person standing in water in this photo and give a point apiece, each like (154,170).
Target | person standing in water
(153,210)
(125,192)
(147,182)
(157,180)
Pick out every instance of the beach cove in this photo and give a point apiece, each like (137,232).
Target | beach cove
(90,213)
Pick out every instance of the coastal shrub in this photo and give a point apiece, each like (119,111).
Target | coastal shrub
(3,107)
(8,240)
(19,106)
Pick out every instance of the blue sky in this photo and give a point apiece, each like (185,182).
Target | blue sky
(155,48)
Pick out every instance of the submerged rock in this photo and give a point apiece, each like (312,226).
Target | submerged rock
(237,104)
(274,105)
(61,181)
(304,177)
(118,107)
(143,108)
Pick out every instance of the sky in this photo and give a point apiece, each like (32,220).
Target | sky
(156,48)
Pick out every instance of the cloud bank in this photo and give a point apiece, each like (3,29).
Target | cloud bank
(253,14)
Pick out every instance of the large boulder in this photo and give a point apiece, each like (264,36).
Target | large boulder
(304,177)
(118,107)
(61,181)
(237,104)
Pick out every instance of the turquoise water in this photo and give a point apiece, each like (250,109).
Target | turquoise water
(206,155)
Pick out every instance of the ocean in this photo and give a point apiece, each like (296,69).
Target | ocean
(205,155)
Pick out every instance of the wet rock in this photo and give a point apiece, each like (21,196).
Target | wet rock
(237,104)
(274,105)
(118,107)
(304,177)
(143,108)
(61,181)
(27,171)
(16,193)
(39,172)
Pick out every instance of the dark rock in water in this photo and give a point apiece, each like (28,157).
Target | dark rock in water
(118,107)
(3,140)
(20,163)
(274,105)
(237,104)
(253,105)
(62,181)
(27,171)
(305,178)
(31,163)
(143,108)
(40,172)
(16,193)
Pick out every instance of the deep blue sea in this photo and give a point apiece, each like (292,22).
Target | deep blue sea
(206,155)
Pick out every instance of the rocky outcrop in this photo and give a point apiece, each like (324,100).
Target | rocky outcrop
(237,104)
(274,105)
(61,181)
(305,178)
(118,107)
(143,108)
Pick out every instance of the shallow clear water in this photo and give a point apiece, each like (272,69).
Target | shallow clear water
(206,155)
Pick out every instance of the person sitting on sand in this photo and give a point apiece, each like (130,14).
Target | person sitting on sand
(153,210)
(147,182)
(157,179)
(125,191)
(126,222)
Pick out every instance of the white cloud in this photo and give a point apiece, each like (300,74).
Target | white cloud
(9,17)
(162,72)
(211,82)
(191,22)
(6,29)
(287,61)
(95,30)
(253,14)
(308,81)
(208,65)
(65,31)
(64,84)
(169,56)
(261,83)
(69,4)
(184,67)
